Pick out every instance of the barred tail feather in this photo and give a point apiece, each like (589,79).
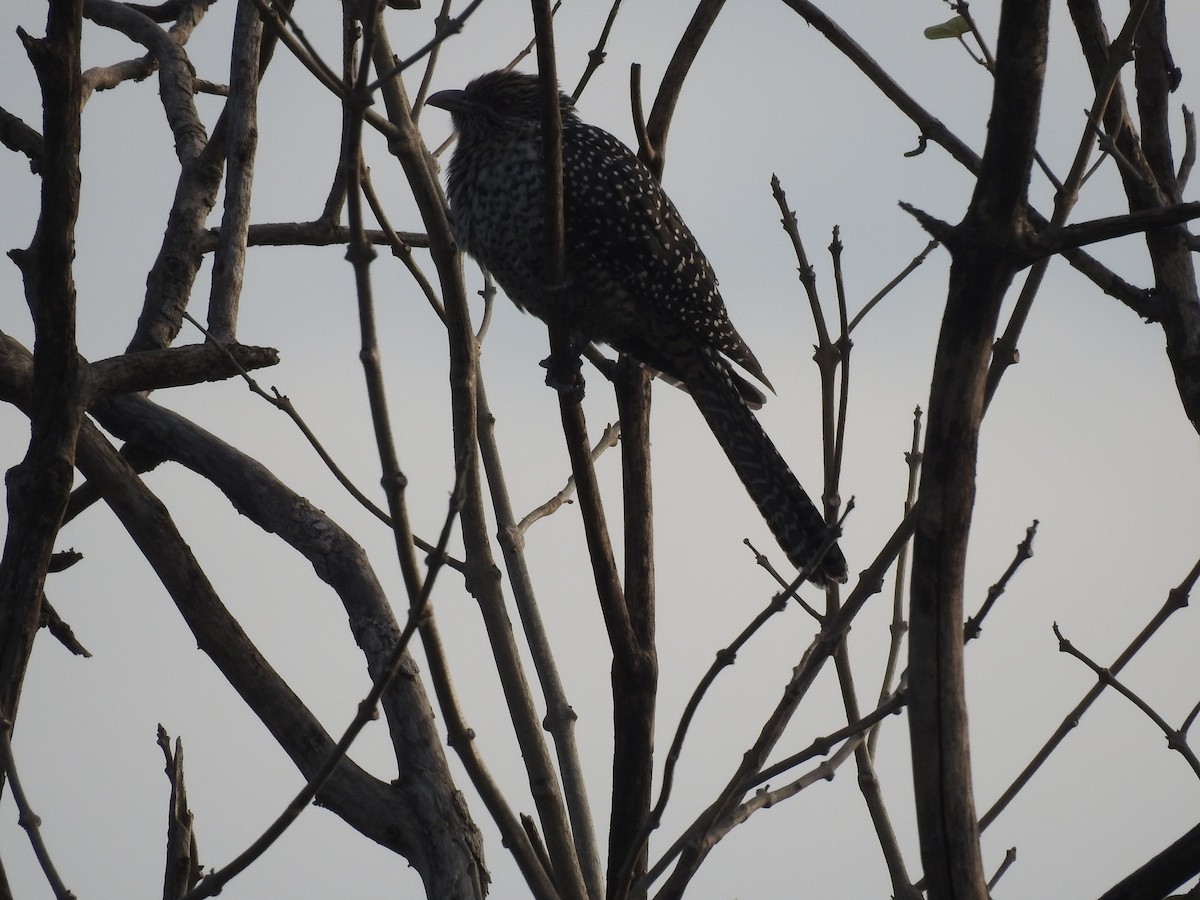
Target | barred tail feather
(794,520)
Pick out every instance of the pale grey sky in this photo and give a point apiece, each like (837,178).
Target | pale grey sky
(1086,435)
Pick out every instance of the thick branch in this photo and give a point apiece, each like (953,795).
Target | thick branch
(442,837)
(1058,240)
(229,262)
(176,76)
(373,807)
(1150,183)
(16,135)
(174,367)
(38,487)
(984,254)
(1161,874)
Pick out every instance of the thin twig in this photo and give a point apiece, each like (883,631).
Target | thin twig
(767,798)
(974,625)
(610,437)
(443,30)
(805,270)
(1177,599)
(891,285)
(1010,857)
(764,562)
(1190,719)
(1176,740)
(870,582)
(26,817)
(596,54)
(834,414)
(964,10)
(817,652)
(285,405)
(821,746)
(285,28)
(725,657)
(560,716)
(440,22)
(899,625)
(400,248)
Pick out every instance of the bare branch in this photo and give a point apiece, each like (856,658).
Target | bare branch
(1176,740)
(933,129)
(317,233)
(821,746)
(27,818)
(576,856)
(1010,857)
(229,261)
(16,135)
(182,869)
(1056,240)
(284,27)
(1189,150)
(368,710)
(596,55)
(481,569)
(891,285)
(984,263)
(1177,599)
(62,632)
(443,30)
(974,626)
(1162,874)
(899,625)
(610,437)
(661,113)
(560,716)
(38,487)
(726,657)
(766,798)
(174,367)
(176,77)
(808,277)
(401,248)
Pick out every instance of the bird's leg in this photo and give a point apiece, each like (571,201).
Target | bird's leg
(564,365)
(564,369)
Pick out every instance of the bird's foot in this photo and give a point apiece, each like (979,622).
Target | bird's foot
(564,373)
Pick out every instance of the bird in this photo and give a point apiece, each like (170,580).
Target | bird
(636,278)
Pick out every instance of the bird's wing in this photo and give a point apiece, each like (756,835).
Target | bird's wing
(620,220)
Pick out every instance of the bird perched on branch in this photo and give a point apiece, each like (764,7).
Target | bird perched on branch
(635,277)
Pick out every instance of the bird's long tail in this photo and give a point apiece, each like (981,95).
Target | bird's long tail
(795,521)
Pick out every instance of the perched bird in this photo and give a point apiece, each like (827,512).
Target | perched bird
(635,277)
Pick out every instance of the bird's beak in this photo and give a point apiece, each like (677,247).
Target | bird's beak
(451,101)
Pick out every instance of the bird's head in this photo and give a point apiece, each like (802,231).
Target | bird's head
(497,101)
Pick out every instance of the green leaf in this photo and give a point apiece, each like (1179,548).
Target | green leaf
(951,28)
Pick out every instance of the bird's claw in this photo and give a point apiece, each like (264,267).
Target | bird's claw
(564,373)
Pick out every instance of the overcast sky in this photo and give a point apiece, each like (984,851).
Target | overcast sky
(1086,435)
